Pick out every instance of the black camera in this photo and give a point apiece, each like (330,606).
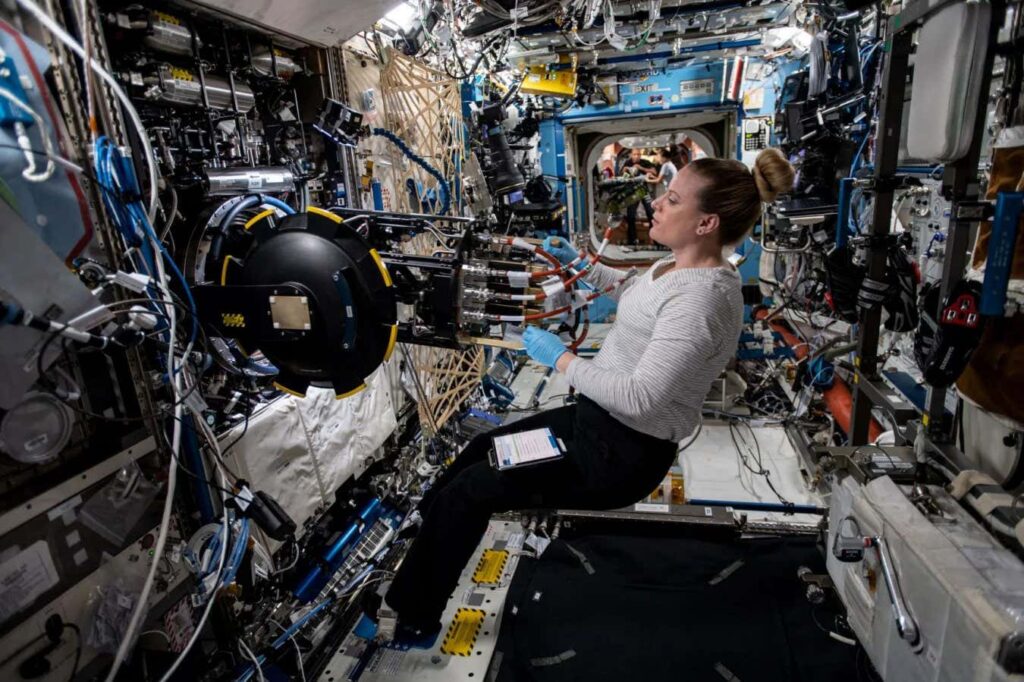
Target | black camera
(502,171)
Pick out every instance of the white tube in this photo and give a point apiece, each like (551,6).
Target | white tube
(176,378)
(252,656)
(142,607)
(212,440)
(165,523)
(521,243)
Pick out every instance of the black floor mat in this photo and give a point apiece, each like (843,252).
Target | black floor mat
(609,607)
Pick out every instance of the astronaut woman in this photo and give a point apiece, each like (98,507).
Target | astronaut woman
(676,328)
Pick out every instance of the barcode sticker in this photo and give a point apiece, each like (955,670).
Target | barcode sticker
(518,278)
(580,299)
(552,286)
(243,499)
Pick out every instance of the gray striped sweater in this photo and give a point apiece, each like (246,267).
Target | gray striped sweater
(672,337)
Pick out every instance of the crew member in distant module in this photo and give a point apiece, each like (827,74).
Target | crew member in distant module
(671,162)
(677,327)
(636,167)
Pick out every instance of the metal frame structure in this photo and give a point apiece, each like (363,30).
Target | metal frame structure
(959,186)
(339,89)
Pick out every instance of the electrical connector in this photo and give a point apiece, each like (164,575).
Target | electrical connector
(265,512)
(132,281)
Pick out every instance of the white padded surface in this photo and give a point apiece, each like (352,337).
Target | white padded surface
(945,92)
(712,471)
(301,450)
(963,588)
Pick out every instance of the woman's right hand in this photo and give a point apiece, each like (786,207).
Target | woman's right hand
(561,249)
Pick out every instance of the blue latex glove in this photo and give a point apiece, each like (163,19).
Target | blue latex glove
(542,346)
(560,249)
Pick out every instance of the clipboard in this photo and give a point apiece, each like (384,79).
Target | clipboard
(525,449)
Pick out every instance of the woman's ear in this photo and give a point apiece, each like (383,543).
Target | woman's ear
(708,224)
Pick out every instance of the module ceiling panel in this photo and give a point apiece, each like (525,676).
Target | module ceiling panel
(325,22)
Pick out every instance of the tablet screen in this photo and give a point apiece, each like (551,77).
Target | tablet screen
(525,447)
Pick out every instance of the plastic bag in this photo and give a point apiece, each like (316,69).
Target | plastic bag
(112,606)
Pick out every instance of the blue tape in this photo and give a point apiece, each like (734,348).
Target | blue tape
(1001,245)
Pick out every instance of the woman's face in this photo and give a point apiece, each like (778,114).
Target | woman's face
(678,221)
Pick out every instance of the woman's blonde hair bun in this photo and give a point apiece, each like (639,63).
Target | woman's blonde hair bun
(773,174)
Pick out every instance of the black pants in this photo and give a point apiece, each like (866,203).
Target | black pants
(631,212)
(607,466)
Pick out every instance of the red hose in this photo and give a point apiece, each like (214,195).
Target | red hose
(838,396)
(560,268)
(583,271)
(567,308)
(545,273)
(583,335)
(546,314)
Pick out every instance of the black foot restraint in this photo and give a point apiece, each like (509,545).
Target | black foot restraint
(381,623)
(943,347)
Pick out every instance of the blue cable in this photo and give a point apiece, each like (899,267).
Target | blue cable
(856,157)
(852,225)
(446,198)
(237,552)
(232,563)
(177,273)
(248,673)
(117,210)
(209,548)
(288,633)
(761,506)
(11,311)
(937,237)
(214,545)
(249,202)
(245,203)
(297,625)
(866,55)
(865,60)
(123,198)
(277,203)
(217,242)
(824,375)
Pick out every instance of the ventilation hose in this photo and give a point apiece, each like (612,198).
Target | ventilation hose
(446,198)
